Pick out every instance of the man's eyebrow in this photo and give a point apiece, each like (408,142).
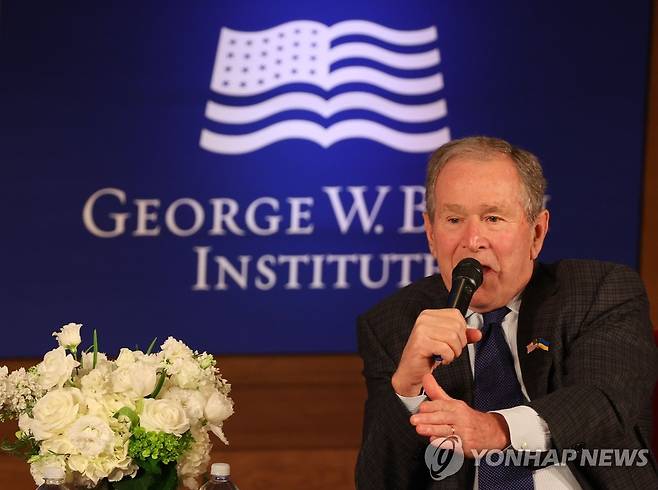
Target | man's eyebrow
(455,208)
(494,208)
(487,208)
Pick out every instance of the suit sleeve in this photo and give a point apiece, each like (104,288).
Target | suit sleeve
(609,368)
(392,453)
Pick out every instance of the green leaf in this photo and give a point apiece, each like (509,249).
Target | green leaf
(159,384)
(95,349)
(151,345)
(166,479)
(24,447)
(130,413)
(150,465)
(169,480)
(143,481)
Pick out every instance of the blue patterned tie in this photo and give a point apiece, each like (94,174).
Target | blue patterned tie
(497,387)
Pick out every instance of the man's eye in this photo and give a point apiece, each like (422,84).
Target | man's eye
(493,219)
(453,221)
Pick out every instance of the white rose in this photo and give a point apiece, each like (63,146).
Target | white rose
(164,416)
(136,380)
(148,358)
(90,436)
(218,408)
(53,413)
(56,368)
(126,357)
(192,401)
(69,336)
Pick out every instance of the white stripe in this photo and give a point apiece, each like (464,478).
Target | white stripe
(296,129)
(349,74)
(392,36)
(387,57)
(397,85)
(413,113)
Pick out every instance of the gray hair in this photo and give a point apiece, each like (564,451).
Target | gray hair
(485,148)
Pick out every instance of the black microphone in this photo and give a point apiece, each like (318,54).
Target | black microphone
(466,278)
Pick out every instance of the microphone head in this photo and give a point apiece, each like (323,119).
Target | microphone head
(469,269)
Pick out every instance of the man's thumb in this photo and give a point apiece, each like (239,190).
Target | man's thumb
(432,388)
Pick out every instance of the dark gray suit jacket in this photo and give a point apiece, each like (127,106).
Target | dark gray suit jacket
(593,387)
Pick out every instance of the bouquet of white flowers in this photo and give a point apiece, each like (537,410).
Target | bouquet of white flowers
(139,422)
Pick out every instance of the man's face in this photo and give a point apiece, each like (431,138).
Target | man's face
(479,214)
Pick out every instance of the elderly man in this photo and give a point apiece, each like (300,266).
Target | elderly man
(549,357)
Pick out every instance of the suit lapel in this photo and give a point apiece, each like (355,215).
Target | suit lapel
(535,366)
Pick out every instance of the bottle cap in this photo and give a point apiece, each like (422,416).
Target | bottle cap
(53,473)
(220,469)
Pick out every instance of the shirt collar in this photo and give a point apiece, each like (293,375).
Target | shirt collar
(514,305)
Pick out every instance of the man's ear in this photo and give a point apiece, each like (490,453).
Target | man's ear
(429,229)
(539,230)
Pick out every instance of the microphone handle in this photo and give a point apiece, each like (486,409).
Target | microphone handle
(460,297)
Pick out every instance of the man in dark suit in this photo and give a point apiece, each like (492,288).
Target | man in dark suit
(549,357)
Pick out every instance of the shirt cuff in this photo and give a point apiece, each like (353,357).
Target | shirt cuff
(412,402)
(527,430)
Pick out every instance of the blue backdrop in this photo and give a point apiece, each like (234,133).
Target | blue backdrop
(116,214)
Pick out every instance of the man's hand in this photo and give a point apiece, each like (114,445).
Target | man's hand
(478,430)
(436,332)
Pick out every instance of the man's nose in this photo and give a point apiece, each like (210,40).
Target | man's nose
(474,236)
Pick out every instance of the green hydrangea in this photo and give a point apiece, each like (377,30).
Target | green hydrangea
(158,446)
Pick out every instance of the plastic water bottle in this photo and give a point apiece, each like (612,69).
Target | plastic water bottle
(220,478)
(53,479)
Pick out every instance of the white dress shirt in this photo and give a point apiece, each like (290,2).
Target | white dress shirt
(528,431)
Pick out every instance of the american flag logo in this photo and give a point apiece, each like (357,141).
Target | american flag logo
(389,77)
